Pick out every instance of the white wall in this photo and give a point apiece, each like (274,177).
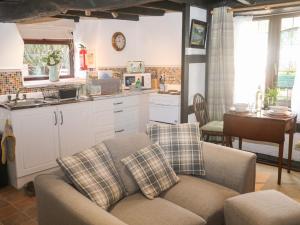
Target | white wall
(12,47)
(154,40)
(160,39)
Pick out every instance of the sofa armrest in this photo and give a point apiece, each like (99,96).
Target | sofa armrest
(59,203)
(229,167)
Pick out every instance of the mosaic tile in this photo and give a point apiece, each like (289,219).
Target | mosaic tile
(11,82)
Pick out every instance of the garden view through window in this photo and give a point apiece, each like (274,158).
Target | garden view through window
(36,50)
(289,54)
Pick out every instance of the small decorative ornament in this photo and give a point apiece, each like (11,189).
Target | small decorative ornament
(118,41)
(53,60)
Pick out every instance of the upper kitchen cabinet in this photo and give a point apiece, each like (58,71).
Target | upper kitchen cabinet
(12,47)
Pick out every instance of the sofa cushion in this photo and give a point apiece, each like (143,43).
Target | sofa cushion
(200,196)
(182,146)
(151,170)
(93,173)
(138,210)
(122,147)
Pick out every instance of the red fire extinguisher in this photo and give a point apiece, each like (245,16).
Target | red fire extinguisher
(82,55)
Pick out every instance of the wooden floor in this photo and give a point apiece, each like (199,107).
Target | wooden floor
(18,209)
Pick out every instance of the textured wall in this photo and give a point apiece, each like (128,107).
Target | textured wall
(11,81)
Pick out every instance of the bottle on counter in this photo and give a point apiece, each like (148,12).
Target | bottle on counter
(162,87)
(258,100)
(138,83)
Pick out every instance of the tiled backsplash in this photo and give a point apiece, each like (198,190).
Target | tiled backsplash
(171,73)
(11,81)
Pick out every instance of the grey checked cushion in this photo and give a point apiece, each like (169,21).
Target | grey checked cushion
(93,173)
(182,146)
(151,170)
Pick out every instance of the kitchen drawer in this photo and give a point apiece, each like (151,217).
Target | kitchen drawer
(126,129)
(102,105)
(126,115)
(125,102)
(104,134)
(103,118)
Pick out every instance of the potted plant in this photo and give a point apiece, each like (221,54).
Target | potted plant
(53,60)
(271,97)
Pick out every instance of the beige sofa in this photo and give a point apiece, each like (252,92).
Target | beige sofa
(193,201)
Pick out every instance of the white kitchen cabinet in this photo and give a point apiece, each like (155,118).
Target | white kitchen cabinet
(126,115)
(75,131)
(37,145)
(143,112)
(46,133)
(102,120)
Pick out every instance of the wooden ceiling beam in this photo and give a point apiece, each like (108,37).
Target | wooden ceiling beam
(164,5)
(34,9)
(141,11)
(101,15)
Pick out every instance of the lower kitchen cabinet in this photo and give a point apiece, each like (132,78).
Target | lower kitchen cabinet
(46,133)
(75,127)
(37,145)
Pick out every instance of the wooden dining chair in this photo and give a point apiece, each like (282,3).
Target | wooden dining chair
(207,128)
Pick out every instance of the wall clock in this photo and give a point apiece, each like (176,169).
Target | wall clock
(118,41)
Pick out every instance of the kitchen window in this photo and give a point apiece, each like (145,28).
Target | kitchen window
(35,50)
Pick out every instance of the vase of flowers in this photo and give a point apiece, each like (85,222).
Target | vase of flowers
(53,60)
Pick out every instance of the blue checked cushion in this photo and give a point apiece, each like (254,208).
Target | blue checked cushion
(93,173)
(182,146)
(151,170)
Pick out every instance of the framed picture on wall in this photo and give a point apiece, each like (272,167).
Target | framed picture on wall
(198,34)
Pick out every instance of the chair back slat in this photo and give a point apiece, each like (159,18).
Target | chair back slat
(200,109)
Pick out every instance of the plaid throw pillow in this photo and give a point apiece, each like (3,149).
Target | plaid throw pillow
(94,175)
(182,146)
(151,170)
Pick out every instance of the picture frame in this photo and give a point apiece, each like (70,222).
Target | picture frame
(198,34)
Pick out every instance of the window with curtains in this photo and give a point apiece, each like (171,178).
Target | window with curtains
(289,52)
(251,45)
(267,55)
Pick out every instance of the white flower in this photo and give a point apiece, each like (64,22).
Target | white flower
(52,61)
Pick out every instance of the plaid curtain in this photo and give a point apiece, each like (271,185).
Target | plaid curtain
(221,63)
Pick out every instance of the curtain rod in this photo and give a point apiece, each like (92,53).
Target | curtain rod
(263,7)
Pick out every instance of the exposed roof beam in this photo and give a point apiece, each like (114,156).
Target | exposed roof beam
(101,15)
(33,9)
(141,11)
(164,5)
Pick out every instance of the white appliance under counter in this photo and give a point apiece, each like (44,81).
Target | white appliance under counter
(164,108)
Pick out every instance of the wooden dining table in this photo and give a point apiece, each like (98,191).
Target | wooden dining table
(263,127)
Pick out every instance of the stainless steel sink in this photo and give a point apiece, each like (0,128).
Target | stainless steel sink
(21,104)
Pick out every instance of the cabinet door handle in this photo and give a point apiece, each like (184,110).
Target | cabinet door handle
(119,111)
(55,116)
(118,103)
(62,118)
(119,131)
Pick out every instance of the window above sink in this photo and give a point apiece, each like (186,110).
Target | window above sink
(35,50)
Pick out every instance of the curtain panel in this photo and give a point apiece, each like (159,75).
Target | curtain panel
(221,63)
